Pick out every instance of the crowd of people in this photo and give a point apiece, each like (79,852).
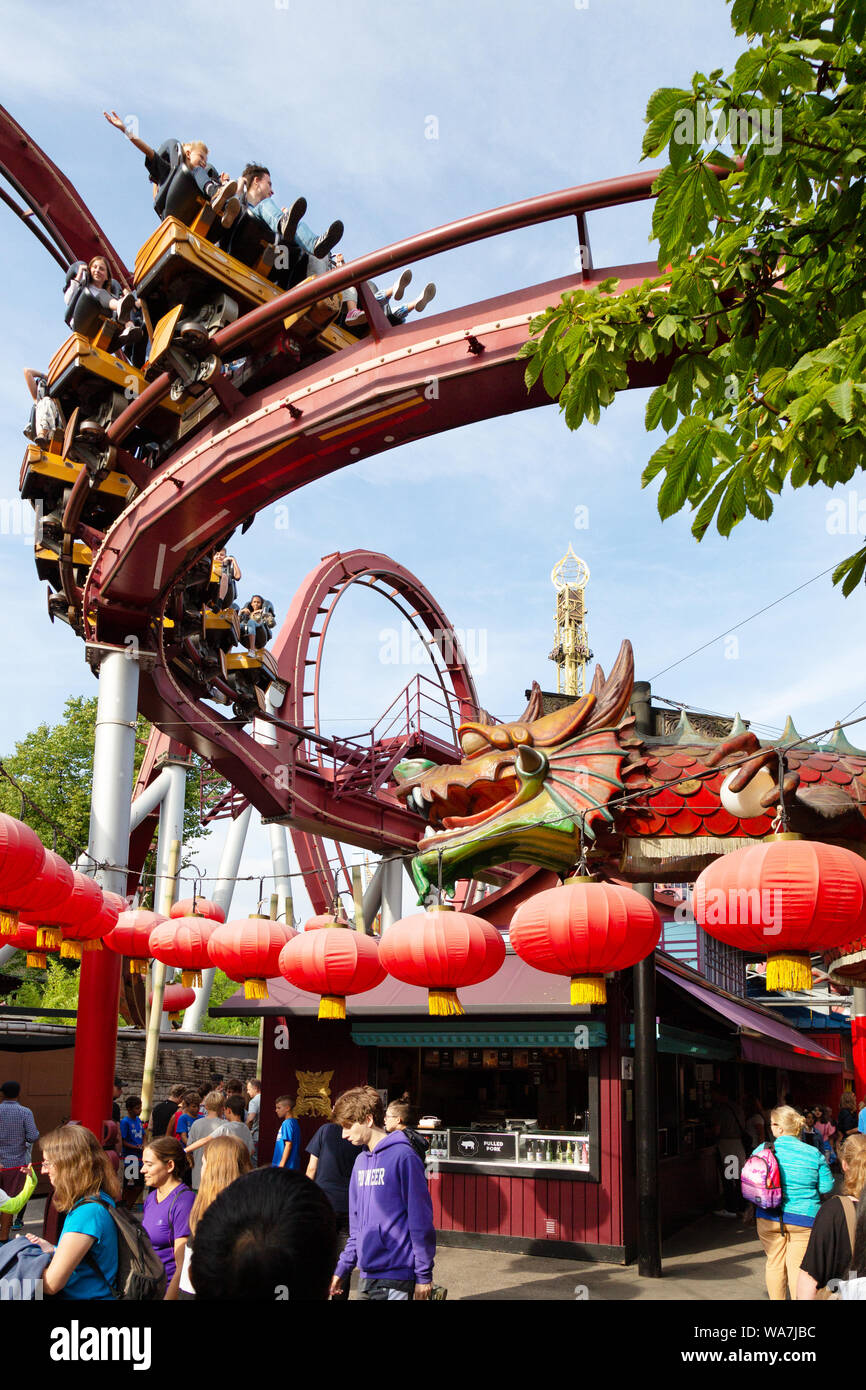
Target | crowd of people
(217,1226)
(223,1221)
(813,1236)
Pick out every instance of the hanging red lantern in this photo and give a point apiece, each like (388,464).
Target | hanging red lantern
(130,937)
(586,930)
(330,959)
(248,950)
(441,950)
(198,907)
(183,943)
(51,891)
(174,1000)
(22,855)
(84,918)
(26,939)
(784,897)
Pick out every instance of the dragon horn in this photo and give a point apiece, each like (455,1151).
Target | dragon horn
(597,682)
(533,709)
(613,699)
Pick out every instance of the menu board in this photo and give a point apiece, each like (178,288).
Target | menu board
(476,1147)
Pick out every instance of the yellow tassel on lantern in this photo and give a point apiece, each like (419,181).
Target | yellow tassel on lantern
(36,960)
(789,971)
(94,945)
(332,1006)
(256,989)
(190,979)
(443,1001)
(137,967)
(588,989)
(49,936)
(8,923)
(70,950)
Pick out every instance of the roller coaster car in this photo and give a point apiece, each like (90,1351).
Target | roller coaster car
(220,630)
(92,387)
(248,674)
(189,288)
(48,552)
(47,478)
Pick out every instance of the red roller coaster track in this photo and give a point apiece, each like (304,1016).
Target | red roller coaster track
(402,383)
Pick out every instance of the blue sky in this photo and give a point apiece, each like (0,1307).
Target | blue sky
(524,99)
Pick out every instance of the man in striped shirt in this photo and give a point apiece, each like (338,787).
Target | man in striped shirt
(17,1133)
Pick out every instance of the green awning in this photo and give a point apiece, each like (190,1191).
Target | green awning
(685,1044)
(582,1033)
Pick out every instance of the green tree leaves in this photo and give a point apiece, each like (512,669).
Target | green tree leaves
(757,322)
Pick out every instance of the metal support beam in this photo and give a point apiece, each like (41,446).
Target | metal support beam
(266,733)
(373,898)
(149,800)
(646,1066)
(170,832)
(230,859)
(392,892)
(99,984)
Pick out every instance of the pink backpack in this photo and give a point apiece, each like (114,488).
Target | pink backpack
(761,1180)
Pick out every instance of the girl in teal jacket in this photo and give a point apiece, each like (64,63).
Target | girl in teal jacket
(806,1178)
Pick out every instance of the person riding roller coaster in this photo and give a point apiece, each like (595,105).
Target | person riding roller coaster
(286,224)
(189,160)
(90,293)
(354,316)
(46,419)
(257,619)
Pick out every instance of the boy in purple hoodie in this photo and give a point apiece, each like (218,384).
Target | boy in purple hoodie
(391,1236)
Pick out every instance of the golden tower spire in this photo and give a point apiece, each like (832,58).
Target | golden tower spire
(571,651)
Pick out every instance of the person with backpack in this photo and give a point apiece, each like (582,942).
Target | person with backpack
(103,1252)
(167,1205)
(784,1227)
(84,1263)
(837,1243)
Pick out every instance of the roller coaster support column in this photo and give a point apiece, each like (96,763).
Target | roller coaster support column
(858,1038)
(392,892)
(99,987)
(264,732)
(170,831)
(230,861)
(645,1065)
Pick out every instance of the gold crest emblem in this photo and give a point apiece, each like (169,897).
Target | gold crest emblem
(314,1093)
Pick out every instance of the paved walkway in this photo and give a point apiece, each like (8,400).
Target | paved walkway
(707,1261)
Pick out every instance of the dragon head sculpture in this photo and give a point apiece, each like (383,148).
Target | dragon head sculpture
(522,789)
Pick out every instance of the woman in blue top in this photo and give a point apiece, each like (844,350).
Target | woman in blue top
(806,1178)
(84,1263)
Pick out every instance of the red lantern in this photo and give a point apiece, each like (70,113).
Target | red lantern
(198,907)
(183,943)
(330,959)
(585,929)
(174,1000)
(85,917)
(248,950)
(43,899)
(26,939)
(131,935)
(441,950)
(785,897)
(22,855)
